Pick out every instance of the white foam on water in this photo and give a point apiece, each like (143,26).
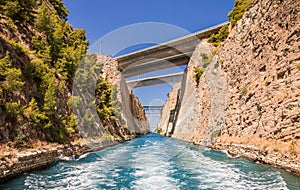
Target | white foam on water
(161,164)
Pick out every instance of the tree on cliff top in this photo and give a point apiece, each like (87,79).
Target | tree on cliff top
(59,6)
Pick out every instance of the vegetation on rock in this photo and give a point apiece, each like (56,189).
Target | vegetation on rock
(36,74)
(198,73)
(244,91)
(19,10)
(218,38)
(240,7)
(9,76)
(106,104)
(205,59)
(159,131)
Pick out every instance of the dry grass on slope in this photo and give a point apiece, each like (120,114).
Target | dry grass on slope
(290,148)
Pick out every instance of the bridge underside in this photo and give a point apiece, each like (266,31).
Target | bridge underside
(145,66)
(150,81)
(167,55)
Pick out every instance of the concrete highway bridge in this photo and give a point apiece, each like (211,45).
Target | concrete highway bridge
(150,81)
(170,54)
(146,108)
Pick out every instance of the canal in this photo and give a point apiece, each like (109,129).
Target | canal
(156,162)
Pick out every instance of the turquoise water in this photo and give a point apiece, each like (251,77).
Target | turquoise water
(156,162)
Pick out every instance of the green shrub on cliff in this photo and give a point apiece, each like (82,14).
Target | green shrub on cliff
(59,6)
(42,49)
(159,130)
(215,134)
(48,64)
(198,73)
(221,60)
(244,90)
(70,123)
(44,21)
(107,104)
(116,104)
(13,108)
(72,53)
(298,67)
(292,148)
(74,102)
(50,97)
(21,10)
(205,59)
(34,114)
(9,76)
(218,38)
(240,7)
(19,48)
(64,46)
(104,99)
(107,137)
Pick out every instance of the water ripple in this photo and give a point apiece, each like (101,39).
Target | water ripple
(156,162)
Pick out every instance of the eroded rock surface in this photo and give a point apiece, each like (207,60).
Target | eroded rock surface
(248,99)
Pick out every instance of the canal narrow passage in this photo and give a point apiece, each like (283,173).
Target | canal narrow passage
(156,162)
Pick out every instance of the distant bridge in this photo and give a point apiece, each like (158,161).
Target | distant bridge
(150,81)
(148,108)
(166,55)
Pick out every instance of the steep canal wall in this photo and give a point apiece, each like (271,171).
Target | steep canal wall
(134,123)
(47,109)
(247,100)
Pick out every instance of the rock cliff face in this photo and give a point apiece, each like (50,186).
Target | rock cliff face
(133,123)
(201,109)
(112,113)
(261,74)
(39,54)
(249,94)
(263,81)
(132,110)
(165,125)
(37,73)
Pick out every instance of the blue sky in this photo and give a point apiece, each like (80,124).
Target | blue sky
(99,17)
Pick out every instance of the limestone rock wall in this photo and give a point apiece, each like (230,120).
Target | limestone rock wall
(132,110)
(13,162)
(188,117)
(201,105)
(261,57)
(164,126)
(260,155)
(29,160)
(248,99)
(50,117)
(262,73)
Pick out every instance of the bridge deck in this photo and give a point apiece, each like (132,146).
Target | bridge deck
(150,81)
(166,55)
(146,108)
